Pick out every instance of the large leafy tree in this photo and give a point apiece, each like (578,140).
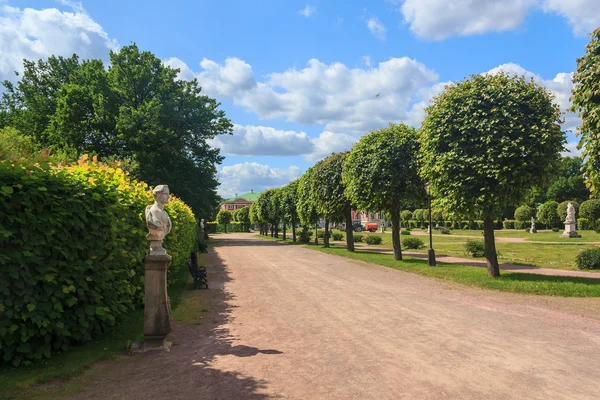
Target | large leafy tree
(136,110)
(289,201)
(569,182)
(381,173)
(586,102)
(306,207)
(269,210)
(255,218)
(328,195)
(484,142)
(224,217)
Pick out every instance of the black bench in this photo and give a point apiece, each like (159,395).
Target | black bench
(198,272)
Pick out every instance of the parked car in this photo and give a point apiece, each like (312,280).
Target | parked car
(371,226)
(357,226)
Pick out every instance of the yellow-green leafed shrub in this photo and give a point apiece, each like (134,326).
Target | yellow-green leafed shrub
(73,244)
(183,238)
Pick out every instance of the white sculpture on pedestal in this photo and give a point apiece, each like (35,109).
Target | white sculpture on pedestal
(570,221)
(157,220)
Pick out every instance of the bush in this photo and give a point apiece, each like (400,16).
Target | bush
(465,227)
(508,224)
(412,243)
(405,232)
(419,214)
(547,214)
(555,230)
(304,236)
(584,224)
(337,236)
(357,238)
(524,213)
(321,234)
(590,209)
(475,247)
(445,231)
(73,244)
(406,215)
(588,258)
(373,239)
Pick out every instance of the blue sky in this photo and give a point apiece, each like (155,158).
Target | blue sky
(303,79)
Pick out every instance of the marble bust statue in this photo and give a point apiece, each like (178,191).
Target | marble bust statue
(157,220)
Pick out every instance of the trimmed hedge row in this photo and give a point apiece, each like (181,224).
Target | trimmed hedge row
(73,244)
(233,226)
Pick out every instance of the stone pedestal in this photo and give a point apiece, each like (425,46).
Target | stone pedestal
(157,308)
(570,231)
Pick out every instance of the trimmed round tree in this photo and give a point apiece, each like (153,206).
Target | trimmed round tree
(243,217)
(485,141)
(381,173)
(590,209)
(306,205)
(562,209)
(289,202)
(224,217)
(255,218)
(524,213)
(586,102)
(327,193)
(406,216)
(548,213)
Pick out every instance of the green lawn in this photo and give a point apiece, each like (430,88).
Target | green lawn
(541,236)
(21,382)
(546,255)
(477,277)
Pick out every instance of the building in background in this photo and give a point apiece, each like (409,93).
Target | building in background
(237,202)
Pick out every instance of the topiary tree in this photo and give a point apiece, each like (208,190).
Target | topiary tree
(306,206)
(547,214)
(524,213)
(419,214)
(562,209)
(381,173)
(255,218)
(586,102)
(243,217)
(289,202)
(484,142)
(406,216)
(590,209)
(224,217)
(269,210)
(326,190)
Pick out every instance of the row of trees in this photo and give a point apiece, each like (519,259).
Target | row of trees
(135,110)
(485,142)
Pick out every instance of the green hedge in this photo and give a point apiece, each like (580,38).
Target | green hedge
(233,226)
(73,243)
(584,224)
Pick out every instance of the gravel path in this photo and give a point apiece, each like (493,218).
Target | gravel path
(288,322)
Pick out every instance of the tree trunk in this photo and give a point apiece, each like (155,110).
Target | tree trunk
(490,248)
(225,226)
(277,230)
(272,230)
(349,230)
(396,234)
(293,230)
(284,227)
(326,237)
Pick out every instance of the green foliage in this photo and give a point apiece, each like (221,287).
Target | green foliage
(321,234)
(586,102)
(406,215)
(475,247)
(524,213)
(183,238)
(306,206)
(136,109)
(12,143)
(357,238)
(337,236)
(588,258)
(255,218)
(326,188)
(584,224)
(73,243)
(405,232)
(242,215)
(486,140)
(548,213)
(590,209)
(413,243)
(562,209)
(269,206)
(445,231)
(305,235)
(420,214)
(555,230)
(373,239)
(289,201)
(224,217)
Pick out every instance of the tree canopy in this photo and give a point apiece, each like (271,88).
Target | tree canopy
(136,110)
(484,142)
(586,102)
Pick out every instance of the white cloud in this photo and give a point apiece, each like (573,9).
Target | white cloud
(376,28)
(366,60)
(583,15)
(328,143)
(308,11)
(263,141)
(572,150)
(33,34)
(241,178)
(439,19)
(561,86)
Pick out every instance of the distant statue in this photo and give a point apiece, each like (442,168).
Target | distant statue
(202,224)
(532,229)
(157,220)
(570,214)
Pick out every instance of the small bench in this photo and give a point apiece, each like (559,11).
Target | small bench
(198,272)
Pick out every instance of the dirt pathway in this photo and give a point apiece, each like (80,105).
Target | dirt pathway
(527,269)
(288,322)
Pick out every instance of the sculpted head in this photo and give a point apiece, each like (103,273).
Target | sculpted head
(161,194)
